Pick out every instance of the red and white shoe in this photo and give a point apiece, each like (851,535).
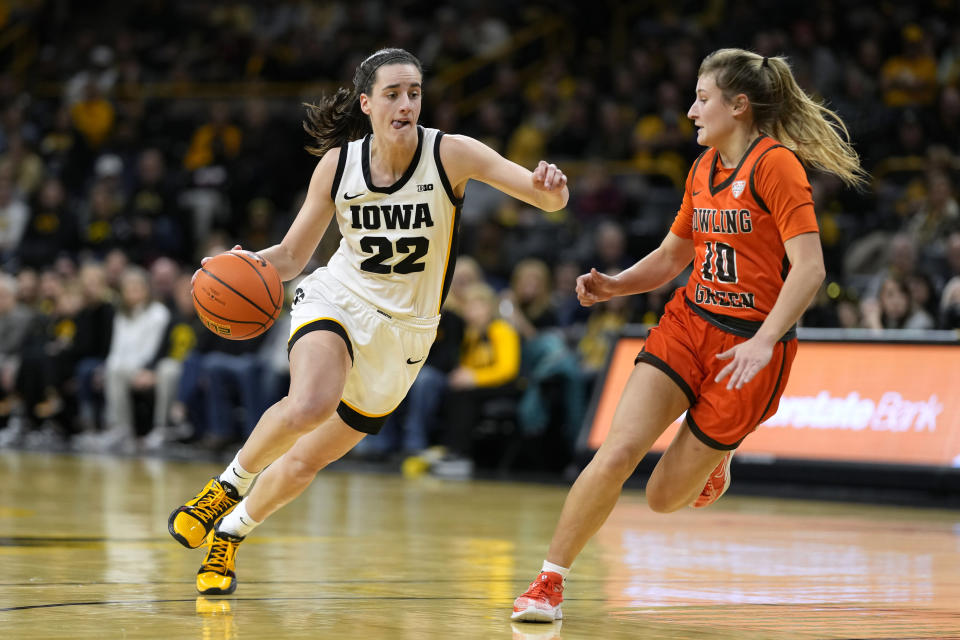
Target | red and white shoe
(541,602)
(717,484)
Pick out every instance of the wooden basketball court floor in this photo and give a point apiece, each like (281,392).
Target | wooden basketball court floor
(84,553)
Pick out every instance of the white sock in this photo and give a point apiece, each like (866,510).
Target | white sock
(238,522)
(549,566)
(236,475)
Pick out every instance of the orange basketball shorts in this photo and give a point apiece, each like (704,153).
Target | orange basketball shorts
(685,347)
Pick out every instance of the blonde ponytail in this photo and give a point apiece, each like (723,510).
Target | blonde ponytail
(784,111)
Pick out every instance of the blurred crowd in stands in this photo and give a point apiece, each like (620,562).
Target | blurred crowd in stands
(137,137)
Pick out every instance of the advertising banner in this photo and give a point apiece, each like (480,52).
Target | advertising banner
(854,402)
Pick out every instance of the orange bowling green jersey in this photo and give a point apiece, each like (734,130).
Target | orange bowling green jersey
(739,220)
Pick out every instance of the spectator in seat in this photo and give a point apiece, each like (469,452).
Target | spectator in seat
(138,329)
(489,365)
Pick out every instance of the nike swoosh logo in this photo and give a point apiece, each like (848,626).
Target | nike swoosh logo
(347,196)
(244,521)
(409,361)
(696,193)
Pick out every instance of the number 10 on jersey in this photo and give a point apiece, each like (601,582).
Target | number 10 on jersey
(719,263)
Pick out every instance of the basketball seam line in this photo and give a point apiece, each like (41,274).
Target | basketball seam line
(225,318)
(276,306)
(217,315)
(252,303)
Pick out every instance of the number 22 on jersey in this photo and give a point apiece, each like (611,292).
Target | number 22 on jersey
(382,249)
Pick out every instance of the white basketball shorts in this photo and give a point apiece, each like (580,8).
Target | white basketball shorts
(387,352)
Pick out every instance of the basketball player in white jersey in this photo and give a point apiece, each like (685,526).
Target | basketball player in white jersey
(363,325)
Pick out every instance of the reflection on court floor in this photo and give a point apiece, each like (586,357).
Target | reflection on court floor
(85,554)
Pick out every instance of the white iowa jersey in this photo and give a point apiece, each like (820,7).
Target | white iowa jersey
(399,242)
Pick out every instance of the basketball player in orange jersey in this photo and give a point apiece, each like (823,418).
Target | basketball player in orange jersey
(363,324)
(723,348)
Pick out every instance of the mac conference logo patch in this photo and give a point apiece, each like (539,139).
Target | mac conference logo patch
(738,187)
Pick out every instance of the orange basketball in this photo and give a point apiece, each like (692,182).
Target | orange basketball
(238,295)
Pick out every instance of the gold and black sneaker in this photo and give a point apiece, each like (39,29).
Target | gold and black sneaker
(191,523)
(216,576)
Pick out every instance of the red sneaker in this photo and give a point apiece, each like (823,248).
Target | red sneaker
(541,602)
(717,484)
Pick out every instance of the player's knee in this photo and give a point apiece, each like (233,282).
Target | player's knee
(617,463)
(306,413)
(304,469)
(660,499)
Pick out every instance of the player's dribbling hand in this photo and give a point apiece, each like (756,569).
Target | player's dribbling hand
(236,247)
(748,359)
(595,287)
(547,177)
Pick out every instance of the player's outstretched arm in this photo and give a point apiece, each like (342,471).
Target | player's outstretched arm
(657,268)
(301,240)
(465,158)
(594,287)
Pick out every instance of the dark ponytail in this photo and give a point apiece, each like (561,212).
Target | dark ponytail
(338,119)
